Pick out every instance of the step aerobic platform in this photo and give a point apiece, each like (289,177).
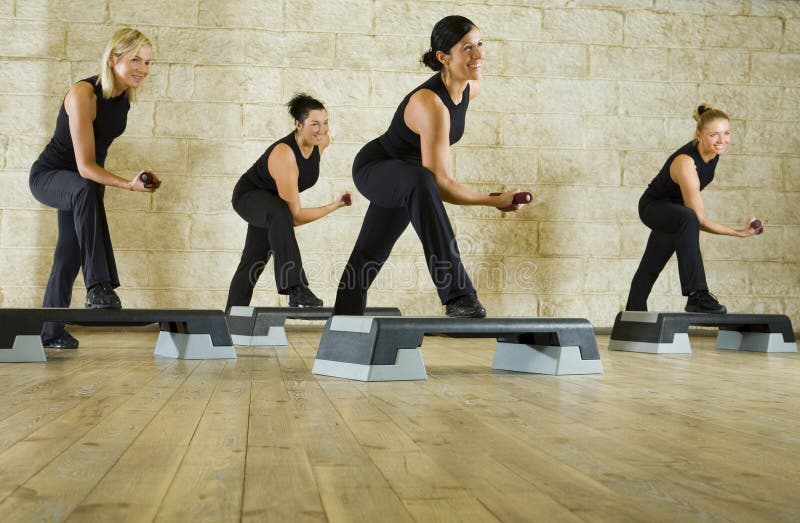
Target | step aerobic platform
(668,332)
(259,326)
(389,348)
(185,333)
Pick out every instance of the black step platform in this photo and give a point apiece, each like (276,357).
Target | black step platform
(185,333)
(259,326)
(668,332)
(383,349)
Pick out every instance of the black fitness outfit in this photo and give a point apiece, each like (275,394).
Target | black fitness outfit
(674,229)
(270,225)
(84,241)
(388,171)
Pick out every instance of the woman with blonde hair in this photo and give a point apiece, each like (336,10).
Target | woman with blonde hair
(69,176)
(673,209)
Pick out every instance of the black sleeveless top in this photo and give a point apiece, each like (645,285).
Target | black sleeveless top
(259,176)
(401,142)
(664,188)
(109,122)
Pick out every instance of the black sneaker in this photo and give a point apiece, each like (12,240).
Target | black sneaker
(301,296)
(65,341)
(704,301)
(465,307)
(102,296)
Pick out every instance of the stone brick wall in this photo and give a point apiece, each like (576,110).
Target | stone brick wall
(582,102)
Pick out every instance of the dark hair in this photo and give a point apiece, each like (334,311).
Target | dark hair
(446,33)
(301,104)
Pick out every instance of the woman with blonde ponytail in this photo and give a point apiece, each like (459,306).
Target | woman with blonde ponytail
(69,176)
(673,209)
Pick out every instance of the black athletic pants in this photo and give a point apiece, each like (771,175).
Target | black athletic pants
(674,229)
(270,231)
(84,241)
(399,192)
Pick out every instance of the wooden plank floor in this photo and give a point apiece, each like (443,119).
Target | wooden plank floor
(111,433)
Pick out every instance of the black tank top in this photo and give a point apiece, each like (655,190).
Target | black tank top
(109,122)
(259,176)
(664,188)
(401,142)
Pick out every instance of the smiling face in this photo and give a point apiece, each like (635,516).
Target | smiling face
(464,61)
(315,128)
(714,138)
(132,68)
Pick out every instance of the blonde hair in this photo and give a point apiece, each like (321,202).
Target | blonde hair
(705,114)
(124,41)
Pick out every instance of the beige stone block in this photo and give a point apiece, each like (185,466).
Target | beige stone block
(26,266)
(237,84)
(578,97)
(16,194)
(4,149)
(410,303)
(155,86)
(721,66)
(217,231)
(614,204)
(728,277)
(202,46)
(383,55)
(412,18)
(591,26)
(657,29)
(579,239)
(625,132)
(31,39)
(83,69)
(180,81)
(28,115)
(487,273)
(266,14)
(62,10)
(727,206)
(7,9)
(785,8)
(337,162)
(507,165)
(389,88)
(655,99)
(266,123)
(774,68)
(218,158)
(496,237)
(122,200)
(195,194)
(334,87)
(748,32)
(192,270)
(743,101)
(510,22)
(626,63)
(23,295)
(640,167)
(87,41)
(580,167)
(40,77)
(158,155)
(22,228)
(482,128)
(791,173)
(634,240)
(291,50)
(740,171)
(360,125)
(766,247)
(627,4)
(790,105)
(198,120)
(180,12)
(610,276)
(791,244)
(680,131)
(791,36)
(141,119)
(733,7)
(772,279)
(753,305)
(545,60)
(562,202)
(772,137)
(776,208)
(149,231)
(347,16)
(505,304)
(599,309)
(132,266)
(544,276)
(541,130)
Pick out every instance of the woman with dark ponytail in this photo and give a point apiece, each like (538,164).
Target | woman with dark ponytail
(673,209)
(405,174)
(267,196)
